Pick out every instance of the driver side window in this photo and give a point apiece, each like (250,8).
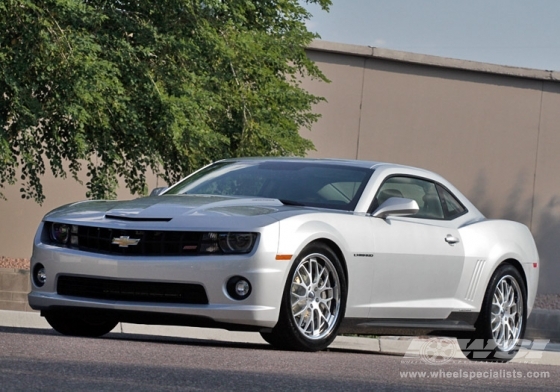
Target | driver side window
(422,191)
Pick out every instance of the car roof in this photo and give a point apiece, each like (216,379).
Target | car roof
(331,161)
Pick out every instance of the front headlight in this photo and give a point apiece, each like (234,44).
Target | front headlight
(228,243)
(60,233)
(236,242)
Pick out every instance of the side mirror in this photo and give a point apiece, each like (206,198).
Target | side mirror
(396,206)
(158,191)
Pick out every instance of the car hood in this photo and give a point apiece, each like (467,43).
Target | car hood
(192,211)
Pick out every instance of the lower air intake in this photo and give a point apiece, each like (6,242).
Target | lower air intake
(122,290)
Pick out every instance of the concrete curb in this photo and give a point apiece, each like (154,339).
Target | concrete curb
(543,324)
(536,352)
(14,286)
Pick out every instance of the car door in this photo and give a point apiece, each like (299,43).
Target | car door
(418,260)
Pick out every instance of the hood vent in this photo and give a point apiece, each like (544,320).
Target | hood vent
(136,218)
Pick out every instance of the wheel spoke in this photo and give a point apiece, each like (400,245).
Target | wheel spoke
(307,274)
(513,310)
(511,297)
(499,294)
(299,280)
(323,320)
(301,286)
(323,279)
(327,293)
(297,307)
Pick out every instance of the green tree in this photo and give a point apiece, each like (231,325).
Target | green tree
(168,85)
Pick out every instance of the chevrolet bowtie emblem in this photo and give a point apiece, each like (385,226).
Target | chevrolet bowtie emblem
(125,241)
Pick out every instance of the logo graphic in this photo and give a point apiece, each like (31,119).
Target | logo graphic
(437,351)
(125,241)
(432,351)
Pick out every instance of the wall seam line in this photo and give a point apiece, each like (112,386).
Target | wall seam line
(361,105)
(537,157)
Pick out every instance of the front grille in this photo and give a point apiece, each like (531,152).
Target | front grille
(150,242)
(122,290)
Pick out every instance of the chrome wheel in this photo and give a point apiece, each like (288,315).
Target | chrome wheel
(501,323)
(315,296)
(507,313)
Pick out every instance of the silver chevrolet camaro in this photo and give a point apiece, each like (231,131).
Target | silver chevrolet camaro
(296,249)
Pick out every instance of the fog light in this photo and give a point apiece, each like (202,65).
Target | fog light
(242,288)
(39,275)
(238,288)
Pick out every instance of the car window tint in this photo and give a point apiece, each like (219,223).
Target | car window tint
(302,183)
(451,206)
(422,191)
(234,184)
(339,191)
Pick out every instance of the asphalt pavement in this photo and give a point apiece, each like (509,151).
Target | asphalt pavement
(535,351)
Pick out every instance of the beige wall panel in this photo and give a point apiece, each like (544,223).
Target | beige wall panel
(477,130)
(20,217)
(546,216)
(335,135)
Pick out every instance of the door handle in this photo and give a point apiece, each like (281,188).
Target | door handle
(451,240)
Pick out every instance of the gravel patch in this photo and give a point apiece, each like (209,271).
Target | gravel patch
(548,301)
(12,262)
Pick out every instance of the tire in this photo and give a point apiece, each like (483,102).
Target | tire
(272,339)
(501,324)
(84,326)
(313,302)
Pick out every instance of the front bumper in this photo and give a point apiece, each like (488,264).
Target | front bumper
(266,275)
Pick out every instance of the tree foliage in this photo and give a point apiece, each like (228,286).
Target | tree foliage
(168,85)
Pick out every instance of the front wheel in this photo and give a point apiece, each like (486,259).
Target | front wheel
(501,324)
(79,325)
(313,303)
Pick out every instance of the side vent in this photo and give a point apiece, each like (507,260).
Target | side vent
(475,279)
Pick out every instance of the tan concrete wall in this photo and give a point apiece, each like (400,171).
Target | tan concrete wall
(493,131)
(336,134)
(546,211)
(495,136)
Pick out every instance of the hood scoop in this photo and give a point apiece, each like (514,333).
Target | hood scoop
(130,218)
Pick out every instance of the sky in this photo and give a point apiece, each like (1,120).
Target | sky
(519,33)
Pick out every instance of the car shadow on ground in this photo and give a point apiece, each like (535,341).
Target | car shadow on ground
(172,340)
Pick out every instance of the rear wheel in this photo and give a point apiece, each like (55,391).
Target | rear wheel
(78,325)
(501,324)
(313,303)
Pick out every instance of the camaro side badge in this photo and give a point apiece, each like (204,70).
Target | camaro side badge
(125,241)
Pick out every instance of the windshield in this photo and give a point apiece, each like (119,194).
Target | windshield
(310,183)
